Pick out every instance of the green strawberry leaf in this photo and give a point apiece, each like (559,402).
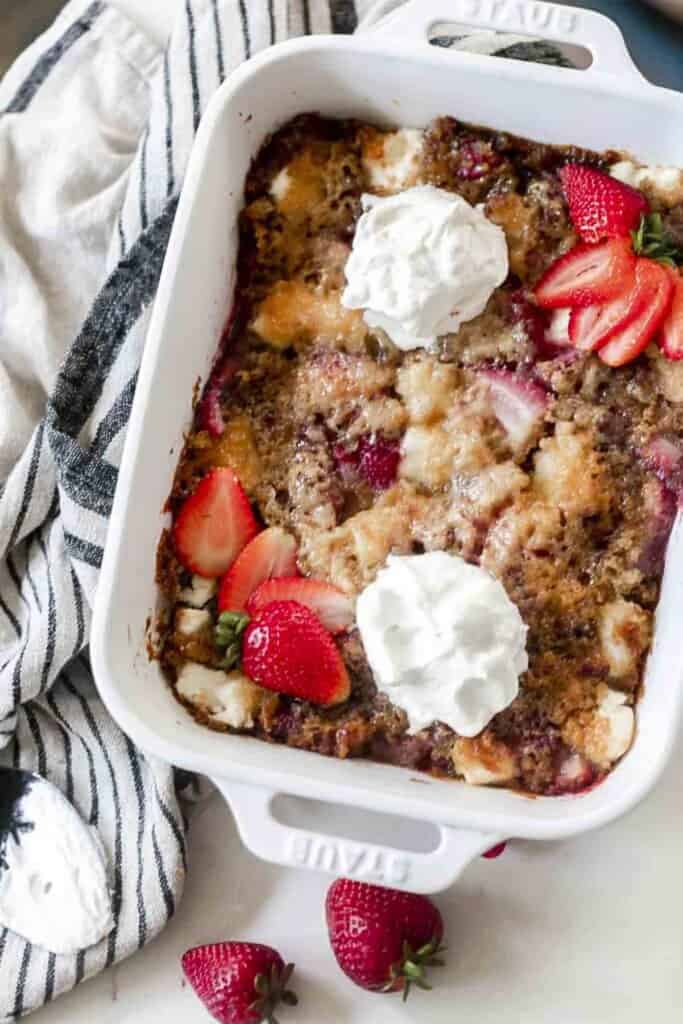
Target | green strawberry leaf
(650,239)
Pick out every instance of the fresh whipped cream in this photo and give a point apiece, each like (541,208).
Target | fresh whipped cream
(443,639)
(423,262)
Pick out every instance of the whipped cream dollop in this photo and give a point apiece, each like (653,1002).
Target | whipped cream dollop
(443,639)
(423,262)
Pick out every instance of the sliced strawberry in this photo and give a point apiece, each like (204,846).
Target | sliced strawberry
(600,206)
(650,302)
(287,649)
(270,553)
(518,403)
(214,524)
(587,274)
(332,606)
(591,327)
(671,332)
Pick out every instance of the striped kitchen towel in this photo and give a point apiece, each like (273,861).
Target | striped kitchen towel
(96,125)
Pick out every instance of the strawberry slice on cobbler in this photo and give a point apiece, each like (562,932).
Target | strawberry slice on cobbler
(333,607)
(630,319)
(649,302)
(214,524)
(271,553)
(587,274)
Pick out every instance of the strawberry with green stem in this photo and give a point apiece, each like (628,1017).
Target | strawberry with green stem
(239,982)
(384,940)
(622,287)
(285,648)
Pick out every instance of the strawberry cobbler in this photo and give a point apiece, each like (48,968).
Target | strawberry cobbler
(422,512)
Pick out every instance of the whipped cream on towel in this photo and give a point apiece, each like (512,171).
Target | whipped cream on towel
(443,639)
(423,262)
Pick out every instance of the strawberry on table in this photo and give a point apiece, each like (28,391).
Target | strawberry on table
(383,939)
(271,553)
(331,605)
(239,982)
(600,206)
(587,274)
(287,649)
(214,524)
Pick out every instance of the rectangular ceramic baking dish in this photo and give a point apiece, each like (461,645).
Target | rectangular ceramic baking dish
(389,74)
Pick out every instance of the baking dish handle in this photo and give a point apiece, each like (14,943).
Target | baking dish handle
(588,29)
(274,841)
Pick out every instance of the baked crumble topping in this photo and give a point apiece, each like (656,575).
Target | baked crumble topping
(517,454)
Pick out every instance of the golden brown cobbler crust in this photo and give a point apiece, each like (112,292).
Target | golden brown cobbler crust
(565,517)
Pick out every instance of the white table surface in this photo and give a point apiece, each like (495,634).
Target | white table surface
(588,931)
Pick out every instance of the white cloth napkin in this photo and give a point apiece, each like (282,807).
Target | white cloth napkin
(96,125)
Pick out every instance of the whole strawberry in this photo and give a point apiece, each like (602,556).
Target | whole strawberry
(383,939)
(239,982)
(287,649)
(601,206)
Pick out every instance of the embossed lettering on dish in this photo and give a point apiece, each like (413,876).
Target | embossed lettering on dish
(351,859)
(524,16)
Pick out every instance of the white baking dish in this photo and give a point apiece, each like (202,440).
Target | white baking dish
(390,74)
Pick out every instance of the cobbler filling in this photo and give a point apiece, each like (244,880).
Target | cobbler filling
(502,445)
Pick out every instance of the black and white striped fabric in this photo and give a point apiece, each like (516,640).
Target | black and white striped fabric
(96,125)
